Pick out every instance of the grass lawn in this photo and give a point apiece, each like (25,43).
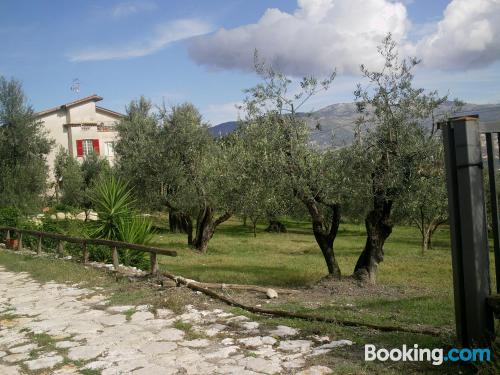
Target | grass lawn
(415,287)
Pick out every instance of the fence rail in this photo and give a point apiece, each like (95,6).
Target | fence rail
(114,245)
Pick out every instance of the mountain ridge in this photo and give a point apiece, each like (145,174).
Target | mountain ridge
(333,125)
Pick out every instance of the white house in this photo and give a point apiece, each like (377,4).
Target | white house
(81,127)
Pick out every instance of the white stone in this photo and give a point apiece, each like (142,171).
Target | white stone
(9,370)
(164,313)
(214,329)
(316,370)
(171,334)
(223,352)
(255,342)
(154,348)
(16,357)
(328,347)
(250,326)
(265,366)
(197,343)
(295,345)
(141,316)
(120,309)
(271,293)
(44,362)
(66,344)
(282,331)
(84,353)
(23,349)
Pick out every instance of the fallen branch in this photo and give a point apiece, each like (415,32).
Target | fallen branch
(222,286)
(194,285)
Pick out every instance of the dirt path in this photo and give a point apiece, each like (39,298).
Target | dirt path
(60,329)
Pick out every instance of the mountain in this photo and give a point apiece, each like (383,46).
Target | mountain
(334,124)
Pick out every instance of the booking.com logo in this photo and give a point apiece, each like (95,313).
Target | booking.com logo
(436,356)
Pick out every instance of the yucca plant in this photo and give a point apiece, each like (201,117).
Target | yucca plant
(113,201)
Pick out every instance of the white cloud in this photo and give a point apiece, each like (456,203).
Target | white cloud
(317,37)
(128,8)
(164,35)
(467,36)
(322,34)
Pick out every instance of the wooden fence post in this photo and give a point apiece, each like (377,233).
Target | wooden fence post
(7,237)
(39,246)
(85,253)
(468,231)
(116,261)
(20,241)
(154,263)
(60,247)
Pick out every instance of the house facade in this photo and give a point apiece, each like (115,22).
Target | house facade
(81,127)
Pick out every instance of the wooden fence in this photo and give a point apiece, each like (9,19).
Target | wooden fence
(114,245)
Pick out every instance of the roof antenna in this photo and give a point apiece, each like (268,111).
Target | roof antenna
(75,86)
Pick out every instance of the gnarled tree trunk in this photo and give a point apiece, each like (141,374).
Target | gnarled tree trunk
(378,229)
(325,236)
(205,227)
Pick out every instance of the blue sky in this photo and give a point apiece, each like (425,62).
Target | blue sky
(176,51)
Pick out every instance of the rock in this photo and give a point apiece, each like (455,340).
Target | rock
(316,370)
(23,349)
(261,365)
(141,316)
(214,329)
(44,362)
(155,348)
(320,339)
(198,343)
(227,341)
(81,216)
(164,313)
(257,341)
(84,353)
(120,309)
(271,293)
(282,331)
(250,326)
(295,345)
(9,370)
(328,347)
(170,334)
(12,358)
(223,352)
(60,216)
(66,344)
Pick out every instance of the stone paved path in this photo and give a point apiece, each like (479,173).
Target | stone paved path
(58,329)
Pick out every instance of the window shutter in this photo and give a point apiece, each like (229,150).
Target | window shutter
(79,147)
(95,144)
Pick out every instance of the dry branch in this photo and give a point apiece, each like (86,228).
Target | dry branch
(194,285)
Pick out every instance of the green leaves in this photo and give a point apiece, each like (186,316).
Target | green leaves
(113,202)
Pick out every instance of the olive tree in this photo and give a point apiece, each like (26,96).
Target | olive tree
(392,111)
(299,166)
(24,146)
(199,176)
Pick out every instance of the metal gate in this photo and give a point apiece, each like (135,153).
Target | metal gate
(465,160)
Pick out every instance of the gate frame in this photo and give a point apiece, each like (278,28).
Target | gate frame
(468,230)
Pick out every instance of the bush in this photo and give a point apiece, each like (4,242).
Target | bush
(10,217)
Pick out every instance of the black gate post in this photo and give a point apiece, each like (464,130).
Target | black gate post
(468,230)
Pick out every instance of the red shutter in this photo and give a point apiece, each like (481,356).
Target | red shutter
(95,144)
(79,147)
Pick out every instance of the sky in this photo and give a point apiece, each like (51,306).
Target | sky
(202,51)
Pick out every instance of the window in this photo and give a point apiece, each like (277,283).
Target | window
(85,147)
(110,149)
(88,146)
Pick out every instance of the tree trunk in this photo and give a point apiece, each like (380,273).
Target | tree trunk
(324,237)
(276,226)
(180,222)
(205,227)
(378,229)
